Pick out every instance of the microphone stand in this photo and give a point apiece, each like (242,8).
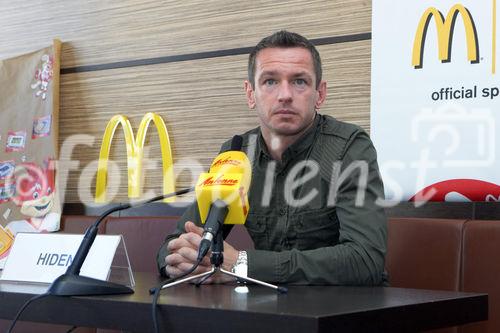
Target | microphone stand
(72,283)
(216,259)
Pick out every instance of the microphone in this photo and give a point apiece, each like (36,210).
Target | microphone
(73,284)
(222,193)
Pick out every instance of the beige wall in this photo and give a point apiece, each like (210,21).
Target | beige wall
(202,101)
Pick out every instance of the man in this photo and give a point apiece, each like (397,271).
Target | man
(315,181)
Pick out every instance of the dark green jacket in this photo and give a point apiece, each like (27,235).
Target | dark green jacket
(310,229)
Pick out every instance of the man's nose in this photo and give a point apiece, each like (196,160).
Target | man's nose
(285,92)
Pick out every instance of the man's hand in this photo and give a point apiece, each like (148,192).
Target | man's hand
(184,251)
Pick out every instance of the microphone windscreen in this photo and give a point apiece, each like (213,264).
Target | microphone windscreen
(236,143)
(228,180)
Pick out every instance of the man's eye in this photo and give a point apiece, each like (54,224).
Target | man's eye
(269,82)
(300,82)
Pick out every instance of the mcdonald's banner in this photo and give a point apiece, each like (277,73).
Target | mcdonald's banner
(435,99)
(29,107)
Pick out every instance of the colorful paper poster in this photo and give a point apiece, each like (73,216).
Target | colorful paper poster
(29,108)
(435,99)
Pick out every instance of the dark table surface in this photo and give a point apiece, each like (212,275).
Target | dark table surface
(218,308)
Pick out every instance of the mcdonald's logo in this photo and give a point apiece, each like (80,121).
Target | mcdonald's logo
(445,28)
(135,150)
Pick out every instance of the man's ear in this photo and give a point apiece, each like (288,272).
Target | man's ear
(321,91)
(250,94)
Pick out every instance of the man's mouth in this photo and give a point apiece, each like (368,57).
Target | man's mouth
(284,112)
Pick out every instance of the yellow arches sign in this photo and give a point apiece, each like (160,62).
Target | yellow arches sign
(445,27)
(135,151)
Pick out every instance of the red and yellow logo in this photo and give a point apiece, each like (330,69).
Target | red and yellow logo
(210,181)
(226,161)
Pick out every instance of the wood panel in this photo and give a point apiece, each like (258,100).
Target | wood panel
(202,103)
(97,31)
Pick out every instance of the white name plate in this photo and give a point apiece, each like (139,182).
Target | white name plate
(36,257)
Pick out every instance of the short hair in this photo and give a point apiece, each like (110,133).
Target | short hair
(284,39)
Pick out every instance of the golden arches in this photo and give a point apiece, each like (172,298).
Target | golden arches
(444,27)
(135,151)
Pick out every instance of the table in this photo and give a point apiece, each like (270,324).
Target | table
(218,308)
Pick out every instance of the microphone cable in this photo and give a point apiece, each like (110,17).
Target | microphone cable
(21,310)
(156,292)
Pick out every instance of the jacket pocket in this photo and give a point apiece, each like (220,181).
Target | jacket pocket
(317,229)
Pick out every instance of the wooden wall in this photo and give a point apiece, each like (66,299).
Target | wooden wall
(185,60)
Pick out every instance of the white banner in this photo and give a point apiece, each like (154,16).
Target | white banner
(435,100)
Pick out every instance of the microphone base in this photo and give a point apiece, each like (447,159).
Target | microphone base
(77,285)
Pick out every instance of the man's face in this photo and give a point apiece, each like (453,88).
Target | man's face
(285,94)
